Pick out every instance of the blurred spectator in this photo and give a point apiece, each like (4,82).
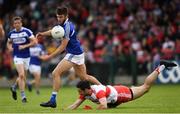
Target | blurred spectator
(2,39)
(177,51)
(168,48)
(7,62)
(88,53)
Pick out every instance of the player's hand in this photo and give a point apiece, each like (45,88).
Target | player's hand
(39,34)
(44,57)
(21,47)
(87,107)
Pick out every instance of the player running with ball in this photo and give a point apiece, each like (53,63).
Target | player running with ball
(74,57)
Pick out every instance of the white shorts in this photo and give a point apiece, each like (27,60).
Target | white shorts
(35,68)
(77,59)
(24,61)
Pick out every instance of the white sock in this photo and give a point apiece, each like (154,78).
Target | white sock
(54,93)
(160,68)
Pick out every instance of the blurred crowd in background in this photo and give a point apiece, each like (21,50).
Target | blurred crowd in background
(109,30)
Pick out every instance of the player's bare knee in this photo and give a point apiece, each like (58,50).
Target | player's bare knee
(21,76)
(55,73)
(38,77)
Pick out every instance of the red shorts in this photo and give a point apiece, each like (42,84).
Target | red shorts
(124,93)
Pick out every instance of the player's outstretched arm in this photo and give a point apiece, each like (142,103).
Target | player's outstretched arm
(103,103)
(45,33)
(60,49)
(76,104)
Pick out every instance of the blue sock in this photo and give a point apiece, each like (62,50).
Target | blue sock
(53,97)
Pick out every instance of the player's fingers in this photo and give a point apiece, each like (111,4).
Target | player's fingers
(87,107)
(38,35)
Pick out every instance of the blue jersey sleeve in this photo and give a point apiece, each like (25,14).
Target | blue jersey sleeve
(67,31)
(29,32)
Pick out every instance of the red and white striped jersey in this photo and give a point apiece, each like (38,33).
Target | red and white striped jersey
(100,91)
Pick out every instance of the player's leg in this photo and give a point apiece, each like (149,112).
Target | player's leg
(36,81)
(21,79)
(35,70)
(62,67)
(80,68)
(13,89)
(32,69)
(80,71)
(141,90)
(14,86)
(30,83)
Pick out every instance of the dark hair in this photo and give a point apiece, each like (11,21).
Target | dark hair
(17,18)
(62,10)
(83,85)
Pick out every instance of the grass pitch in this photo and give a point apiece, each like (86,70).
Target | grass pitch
(160,99)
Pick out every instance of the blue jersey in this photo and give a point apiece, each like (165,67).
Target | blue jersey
(36,51)
(20,38)
(73,46)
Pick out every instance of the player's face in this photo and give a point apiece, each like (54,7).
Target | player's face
(88,91)
(17,24)
(85,92)
(61,18)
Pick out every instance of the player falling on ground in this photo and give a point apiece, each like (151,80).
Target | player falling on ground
(112,96)
(74,57)
(20,39)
